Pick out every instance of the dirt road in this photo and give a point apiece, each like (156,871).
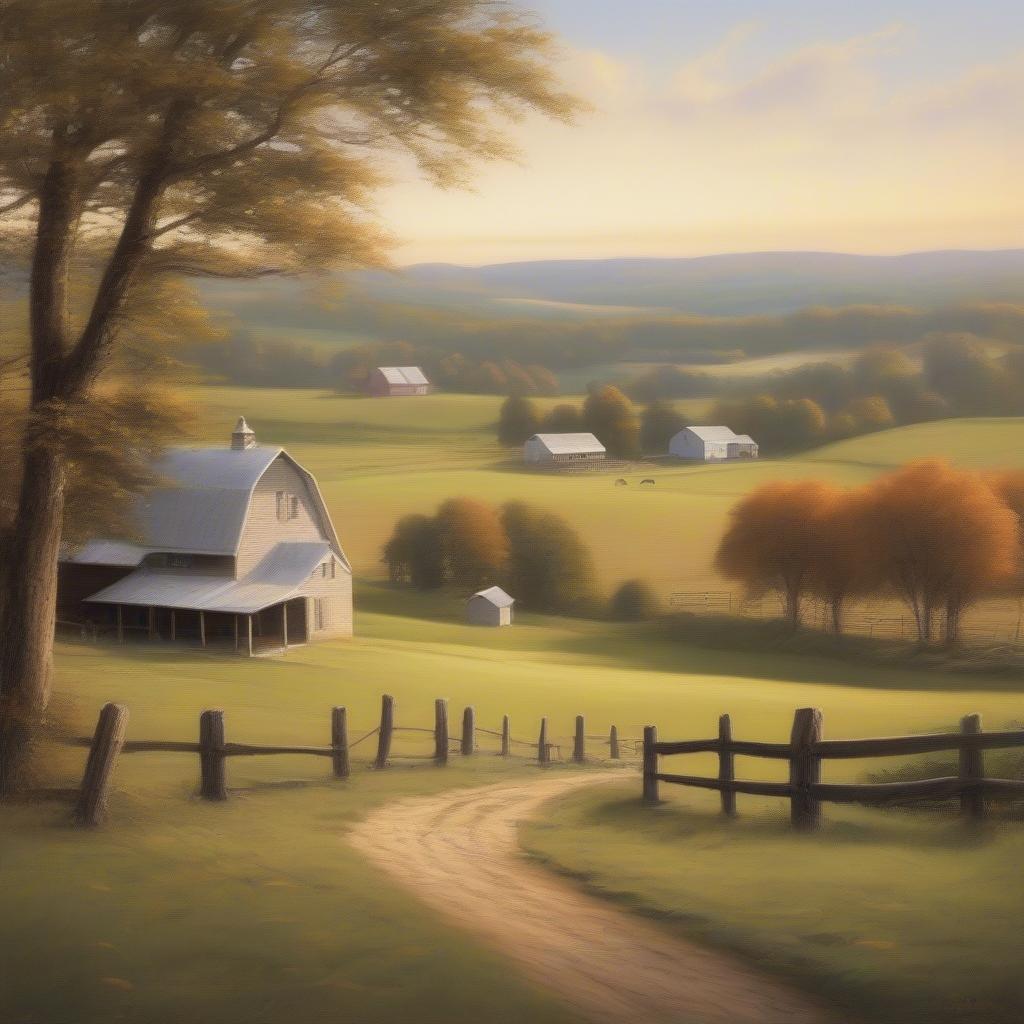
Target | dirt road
(458,853)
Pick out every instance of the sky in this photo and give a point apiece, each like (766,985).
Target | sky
(735,125)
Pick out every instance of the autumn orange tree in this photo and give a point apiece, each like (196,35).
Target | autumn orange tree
(771,543)
(1008,486)
(610,417)
(473,542)
(940,538)
(142,141)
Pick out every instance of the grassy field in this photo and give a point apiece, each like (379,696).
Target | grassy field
(257,910)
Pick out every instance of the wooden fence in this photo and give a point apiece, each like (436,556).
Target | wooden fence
(213,749)
(805,752)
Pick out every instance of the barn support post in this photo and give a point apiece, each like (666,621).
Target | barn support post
(579,747)
(441,731)
(339,742)
(152,623)
(236,632)
(174,625)
(972,770)
(213,780)
(387,728)
(248,624)
(202,629)
(468,732)
(650,766)
(805,769)
(726,765)
(284,624)
(120,624)
(91,806)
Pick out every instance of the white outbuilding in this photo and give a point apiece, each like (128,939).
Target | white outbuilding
(552,449)
(491,607)
(712,444)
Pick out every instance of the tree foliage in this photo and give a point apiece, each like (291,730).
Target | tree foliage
(660,422)
(473,542)
(518,421)
(634,601)
(610,417)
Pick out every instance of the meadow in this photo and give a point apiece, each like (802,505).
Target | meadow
(257,909)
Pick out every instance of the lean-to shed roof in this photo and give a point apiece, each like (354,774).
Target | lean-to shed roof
(277,578)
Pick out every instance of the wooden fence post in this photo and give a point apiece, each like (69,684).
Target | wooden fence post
(805,769)
(650,767)
(726,765)
(543,750)
(441,731)
(468,732)
(613,743)
(339,741)
(91,807)
(387,728)
(213,783)
(972,770)
(506,736)
(579,747)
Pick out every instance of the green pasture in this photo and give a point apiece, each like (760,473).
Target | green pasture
(257,910)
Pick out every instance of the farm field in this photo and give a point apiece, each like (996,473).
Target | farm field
(378,460)
(257,908)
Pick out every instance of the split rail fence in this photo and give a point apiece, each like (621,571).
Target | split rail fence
(213,749)
(807,749)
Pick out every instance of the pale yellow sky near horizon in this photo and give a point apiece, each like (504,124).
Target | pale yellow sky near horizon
(822,147)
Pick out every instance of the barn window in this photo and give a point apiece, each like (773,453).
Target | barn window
(332,568)
(287,506)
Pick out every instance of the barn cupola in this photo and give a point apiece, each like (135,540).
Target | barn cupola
(242,436)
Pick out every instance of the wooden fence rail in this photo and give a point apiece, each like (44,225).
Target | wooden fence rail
(213,749)
(805,752)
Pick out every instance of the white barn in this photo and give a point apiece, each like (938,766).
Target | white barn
(555,449)
(397,381)
(236,550)
(712,444)
(491,607)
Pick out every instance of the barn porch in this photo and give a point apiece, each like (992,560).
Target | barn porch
(268,630)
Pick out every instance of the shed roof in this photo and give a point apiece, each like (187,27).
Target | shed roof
(403,374)
(286,567)
(744,439)
(495,596)
(568,444)
(713,433)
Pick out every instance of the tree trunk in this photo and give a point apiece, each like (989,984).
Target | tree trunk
(924,629)
(29,610)
(836,605)
(952,630)
(793,606)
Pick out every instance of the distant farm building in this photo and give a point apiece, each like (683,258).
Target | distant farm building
(558,449)
(712,444)
(397,381)
(235,549)
(491,607)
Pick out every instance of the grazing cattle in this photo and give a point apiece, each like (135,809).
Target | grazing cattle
(620,482)
(647,481)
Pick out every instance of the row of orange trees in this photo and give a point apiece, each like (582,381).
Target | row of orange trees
(936,537)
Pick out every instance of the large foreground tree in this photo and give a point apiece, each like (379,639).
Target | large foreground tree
(145,140)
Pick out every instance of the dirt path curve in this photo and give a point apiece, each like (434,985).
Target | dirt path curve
(458,852)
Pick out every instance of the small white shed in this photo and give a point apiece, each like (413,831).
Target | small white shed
(562,448)
(491,607)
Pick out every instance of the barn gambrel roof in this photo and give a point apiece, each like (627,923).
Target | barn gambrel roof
(199,506)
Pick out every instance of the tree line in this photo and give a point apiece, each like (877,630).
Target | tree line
(936,537)
(534,554)
(606,413)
